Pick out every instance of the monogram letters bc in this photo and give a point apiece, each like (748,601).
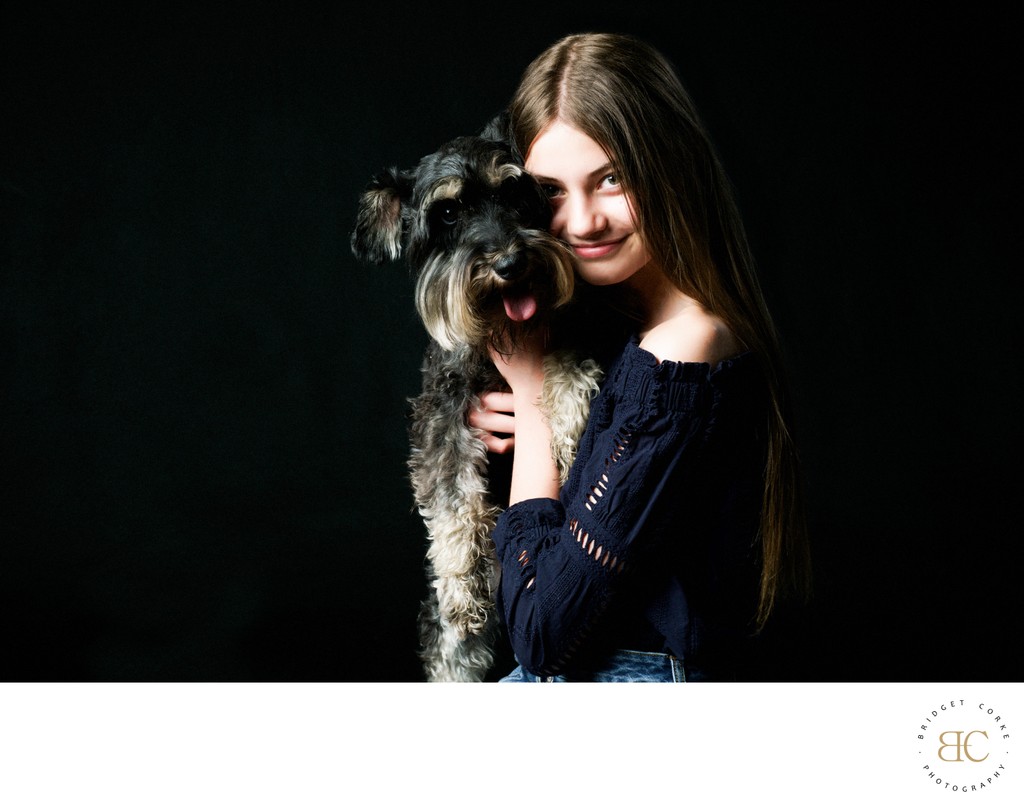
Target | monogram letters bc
(964,746)
(961,742)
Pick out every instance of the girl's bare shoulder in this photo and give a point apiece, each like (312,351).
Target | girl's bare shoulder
(691,336)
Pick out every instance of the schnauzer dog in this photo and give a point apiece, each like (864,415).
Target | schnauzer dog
(472,224)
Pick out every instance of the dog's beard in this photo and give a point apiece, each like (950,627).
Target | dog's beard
(553,256)
(442,291)
(463,303)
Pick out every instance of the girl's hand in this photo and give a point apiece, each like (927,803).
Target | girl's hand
(523,369)
(534,474)
(495,416)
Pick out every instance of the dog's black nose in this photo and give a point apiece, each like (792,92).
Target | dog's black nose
(509,267)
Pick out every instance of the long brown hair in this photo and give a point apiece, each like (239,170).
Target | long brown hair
(628,98)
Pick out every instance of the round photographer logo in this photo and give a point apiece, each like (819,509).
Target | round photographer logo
(963,746)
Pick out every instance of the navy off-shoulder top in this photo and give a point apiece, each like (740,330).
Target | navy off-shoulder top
(651,544)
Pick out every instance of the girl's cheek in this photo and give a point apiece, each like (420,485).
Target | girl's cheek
(557,223)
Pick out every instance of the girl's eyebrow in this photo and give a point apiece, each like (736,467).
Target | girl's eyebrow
(594,174)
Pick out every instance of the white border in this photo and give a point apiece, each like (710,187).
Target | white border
(308,744)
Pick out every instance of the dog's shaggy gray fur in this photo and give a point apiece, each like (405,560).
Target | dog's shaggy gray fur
(473,225)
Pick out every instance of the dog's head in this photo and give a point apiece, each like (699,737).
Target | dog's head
(473,225)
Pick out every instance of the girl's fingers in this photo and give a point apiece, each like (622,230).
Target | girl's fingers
(493,421)
(497,401)
(495,418)
(498,444)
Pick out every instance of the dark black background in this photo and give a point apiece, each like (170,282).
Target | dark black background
(203,394)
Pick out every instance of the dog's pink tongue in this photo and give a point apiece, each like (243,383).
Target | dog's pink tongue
(521,307)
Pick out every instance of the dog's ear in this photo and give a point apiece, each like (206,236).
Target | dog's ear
(378,233)
(497,128)
(500,129)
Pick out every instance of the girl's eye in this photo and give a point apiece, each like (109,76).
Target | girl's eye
(549,190)
(611,180)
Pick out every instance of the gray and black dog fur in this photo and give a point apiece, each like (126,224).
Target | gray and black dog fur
(472,224)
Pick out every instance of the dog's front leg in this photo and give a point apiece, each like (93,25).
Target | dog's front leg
(448,469)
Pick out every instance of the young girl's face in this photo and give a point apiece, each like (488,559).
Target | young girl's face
(590,210)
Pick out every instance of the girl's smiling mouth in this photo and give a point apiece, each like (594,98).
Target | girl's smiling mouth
(596,250)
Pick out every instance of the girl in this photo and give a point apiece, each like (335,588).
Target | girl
(680,524)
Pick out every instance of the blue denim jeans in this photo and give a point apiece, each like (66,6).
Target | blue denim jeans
(622,666)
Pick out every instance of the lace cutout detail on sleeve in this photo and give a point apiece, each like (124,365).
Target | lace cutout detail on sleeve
(597,553)
(598,490)
(524,560)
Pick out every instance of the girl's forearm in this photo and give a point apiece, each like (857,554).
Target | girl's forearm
(534,473)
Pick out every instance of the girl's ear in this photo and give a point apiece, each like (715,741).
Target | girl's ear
(378,233)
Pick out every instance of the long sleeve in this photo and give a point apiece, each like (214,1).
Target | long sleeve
(564,561)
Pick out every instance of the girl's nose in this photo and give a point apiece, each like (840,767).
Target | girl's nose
(582,218)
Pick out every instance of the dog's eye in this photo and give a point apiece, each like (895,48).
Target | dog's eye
(446,212)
